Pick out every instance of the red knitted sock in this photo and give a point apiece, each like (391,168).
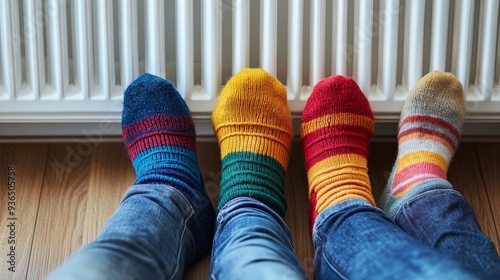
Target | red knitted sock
(337,125)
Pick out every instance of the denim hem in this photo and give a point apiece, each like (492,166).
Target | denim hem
(394,204)
(330,210)
(228,207)
(252,242)
(423,195)
(235,204)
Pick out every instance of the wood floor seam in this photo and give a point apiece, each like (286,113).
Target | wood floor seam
(38,206)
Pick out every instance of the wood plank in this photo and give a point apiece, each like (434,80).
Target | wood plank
(111,174)
(210,167)
(199,269)
(29,161)
(489,161)
(466,177)
(61,214)
(381,158)
(297,216)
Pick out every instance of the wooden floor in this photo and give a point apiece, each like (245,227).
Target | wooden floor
(66,192)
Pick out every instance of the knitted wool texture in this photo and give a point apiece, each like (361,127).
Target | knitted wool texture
(254,130)
(336,128)
(428,136)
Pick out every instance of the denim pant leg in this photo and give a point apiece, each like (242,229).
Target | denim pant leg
(354,240)
(154,234)
(443,219)
(253,242)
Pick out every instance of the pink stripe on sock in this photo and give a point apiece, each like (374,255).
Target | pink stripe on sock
(405,186)
(413,171)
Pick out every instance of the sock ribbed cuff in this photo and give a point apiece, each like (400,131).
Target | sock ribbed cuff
(245,174)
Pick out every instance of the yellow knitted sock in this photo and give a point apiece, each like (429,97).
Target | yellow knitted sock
(254,129)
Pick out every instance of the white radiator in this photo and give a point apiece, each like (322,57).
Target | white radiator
(65,64)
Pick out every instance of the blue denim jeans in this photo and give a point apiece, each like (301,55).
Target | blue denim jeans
(435,236)
(253,242)
(155,234)
(354,240)
(444,220)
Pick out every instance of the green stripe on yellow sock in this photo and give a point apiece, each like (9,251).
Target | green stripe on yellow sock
(247,174)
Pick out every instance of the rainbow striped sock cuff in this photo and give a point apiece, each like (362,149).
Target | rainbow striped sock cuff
(429,134)
(337,125)
(254,129)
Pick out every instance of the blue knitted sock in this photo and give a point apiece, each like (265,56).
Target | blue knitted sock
(160,138)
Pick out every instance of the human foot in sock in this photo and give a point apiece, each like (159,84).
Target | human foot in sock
(337,125)
(254,129)
(160,137)
(428,136)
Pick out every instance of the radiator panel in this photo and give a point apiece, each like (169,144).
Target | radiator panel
(70,61)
